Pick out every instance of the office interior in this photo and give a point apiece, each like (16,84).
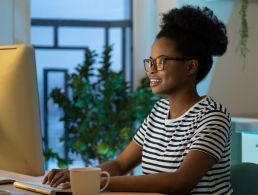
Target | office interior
(232,80)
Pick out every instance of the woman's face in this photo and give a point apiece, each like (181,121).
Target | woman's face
(175,75)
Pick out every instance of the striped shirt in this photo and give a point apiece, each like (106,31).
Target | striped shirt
(205,127)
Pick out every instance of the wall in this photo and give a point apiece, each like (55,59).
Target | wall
(163,7)
(14,22)
(232,84)
(144,31)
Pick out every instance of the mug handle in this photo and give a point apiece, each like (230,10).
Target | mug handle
(107,182)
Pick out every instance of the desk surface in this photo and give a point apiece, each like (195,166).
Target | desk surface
(21,177)
(11,188)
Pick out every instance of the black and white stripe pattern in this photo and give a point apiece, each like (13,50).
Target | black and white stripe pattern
(206,127)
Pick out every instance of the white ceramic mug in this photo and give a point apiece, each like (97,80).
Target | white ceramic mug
(86,181)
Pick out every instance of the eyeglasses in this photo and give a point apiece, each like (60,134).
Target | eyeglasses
(158,64)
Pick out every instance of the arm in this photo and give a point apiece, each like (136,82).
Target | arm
(125,162)
(128,159)
(207,148)
(194,166)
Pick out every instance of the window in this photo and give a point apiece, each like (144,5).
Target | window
(60,32)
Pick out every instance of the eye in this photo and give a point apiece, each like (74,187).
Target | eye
(161,61)
(149,62)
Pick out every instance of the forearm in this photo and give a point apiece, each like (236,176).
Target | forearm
(125,162)
(112,167)
(166,183)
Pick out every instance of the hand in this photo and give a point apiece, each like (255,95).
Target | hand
(55,177)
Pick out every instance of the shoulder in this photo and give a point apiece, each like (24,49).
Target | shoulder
(162,105)
(211,106)
(160,109)
(214,116)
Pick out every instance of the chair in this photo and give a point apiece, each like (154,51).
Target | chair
(244,179)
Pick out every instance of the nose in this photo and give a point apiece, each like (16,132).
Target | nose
(152,70)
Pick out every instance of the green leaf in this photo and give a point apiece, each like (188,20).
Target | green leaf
(103,148)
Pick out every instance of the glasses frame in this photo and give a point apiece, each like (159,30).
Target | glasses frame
(161,65)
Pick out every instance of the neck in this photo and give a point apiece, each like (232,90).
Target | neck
(182,101)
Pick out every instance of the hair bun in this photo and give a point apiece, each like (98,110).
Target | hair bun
(201,23)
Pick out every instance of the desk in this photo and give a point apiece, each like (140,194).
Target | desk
(22,177)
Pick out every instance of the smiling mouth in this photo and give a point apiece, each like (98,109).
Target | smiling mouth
(154,82)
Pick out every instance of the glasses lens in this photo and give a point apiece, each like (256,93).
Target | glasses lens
(160,63)
(147,64)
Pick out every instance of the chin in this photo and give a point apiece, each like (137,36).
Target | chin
(161,91)
(156,91)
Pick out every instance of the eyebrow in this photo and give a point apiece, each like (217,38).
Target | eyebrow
(159,57)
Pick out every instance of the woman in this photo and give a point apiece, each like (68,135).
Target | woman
(184,143)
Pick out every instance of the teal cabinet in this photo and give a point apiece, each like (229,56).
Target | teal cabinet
(250,147)
(244,140)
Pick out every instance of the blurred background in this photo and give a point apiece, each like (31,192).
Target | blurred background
(61,30)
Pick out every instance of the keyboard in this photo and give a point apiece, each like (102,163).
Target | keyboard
(40,188)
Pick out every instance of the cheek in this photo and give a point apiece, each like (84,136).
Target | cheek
(172,74)
(175,76)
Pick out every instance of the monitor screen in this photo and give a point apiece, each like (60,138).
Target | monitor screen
(20,132)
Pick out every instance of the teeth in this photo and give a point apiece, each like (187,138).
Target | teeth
(155,80)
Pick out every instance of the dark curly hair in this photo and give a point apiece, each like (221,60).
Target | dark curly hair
(197,33)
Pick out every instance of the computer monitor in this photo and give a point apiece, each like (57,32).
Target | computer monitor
(20,132)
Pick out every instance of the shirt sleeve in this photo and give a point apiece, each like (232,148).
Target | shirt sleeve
(213,134)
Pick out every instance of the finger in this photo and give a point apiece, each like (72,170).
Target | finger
(52,174)
(60,180)
(64,185)
(45,179)
(56,178)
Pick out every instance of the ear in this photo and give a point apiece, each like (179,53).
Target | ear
(192,66)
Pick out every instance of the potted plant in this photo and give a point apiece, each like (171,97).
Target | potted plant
(102,113)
